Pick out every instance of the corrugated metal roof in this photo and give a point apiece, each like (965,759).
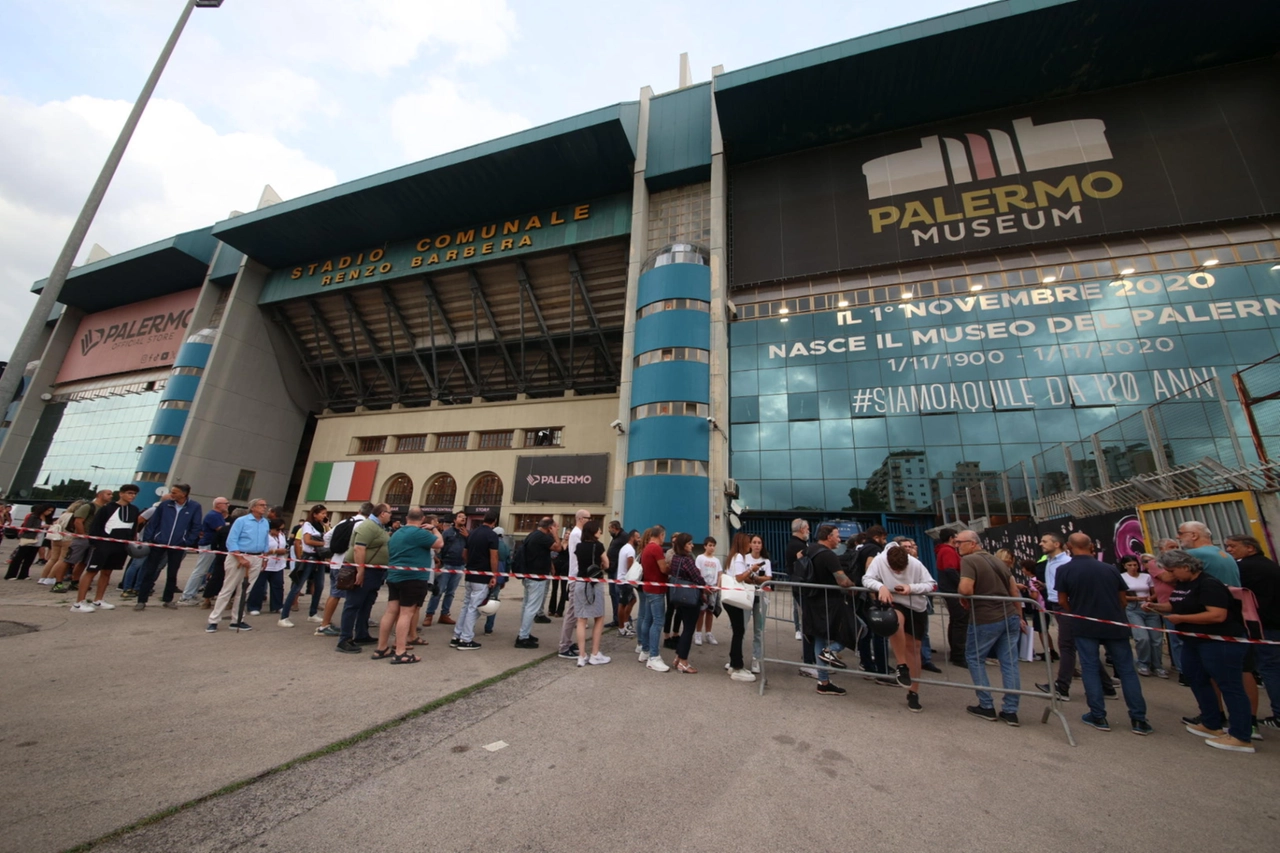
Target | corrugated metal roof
(585,156)
(993,56)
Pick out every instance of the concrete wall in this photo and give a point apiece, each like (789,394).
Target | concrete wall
(586,431)
(252,404)
(26,419)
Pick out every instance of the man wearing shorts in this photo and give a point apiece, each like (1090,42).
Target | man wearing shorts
(78,550)
(408,583)
(114,521)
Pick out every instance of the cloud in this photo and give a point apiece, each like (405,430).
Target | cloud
(178,174)
(441,118)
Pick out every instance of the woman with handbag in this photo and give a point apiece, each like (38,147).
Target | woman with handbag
(58,543)
(313,565)
(740,570)
(590,591)
(688,598)
(29,539)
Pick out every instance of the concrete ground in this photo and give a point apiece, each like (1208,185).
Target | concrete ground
(108,718)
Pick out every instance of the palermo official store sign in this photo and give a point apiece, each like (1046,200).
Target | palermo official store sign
(454,247)
(562,479)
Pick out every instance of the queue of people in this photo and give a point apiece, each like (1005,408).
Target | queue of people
(875,596)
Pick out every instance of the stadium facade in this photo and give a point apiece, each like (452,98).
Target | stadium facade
(871,272)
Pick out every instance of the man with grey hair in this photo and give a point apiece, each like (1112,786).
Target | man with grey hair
(796,547)
(246,543)
(214,520)
(172,528)
(1163,545)
(1197,541)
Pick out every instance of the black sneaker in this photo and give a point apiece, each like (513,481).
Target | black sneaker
(453,641)
(542,619)
(826,688)
(365,641)
(569,654)
(1140,727)
(1009,719)
(904,675)
(1182,681)
(829,657)
(211,628)
(1099,723)
(1063,695)
(930,666)
(988,714)
(466,647)
(535,639)
(1270,722)
(526,643)
(240,626)
(347,647)
(913,702)
(1192,721)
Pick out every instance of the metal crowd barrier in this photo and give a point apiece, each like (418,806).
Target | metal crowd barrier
(780,585)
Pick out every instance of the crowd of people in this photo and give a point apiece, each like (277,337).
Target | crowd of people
(872,595)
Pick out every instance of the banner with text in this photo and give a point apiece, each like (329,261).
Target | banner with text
(562,479)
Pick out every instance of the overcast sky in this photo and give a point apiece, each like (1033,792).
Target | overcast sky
(304,94)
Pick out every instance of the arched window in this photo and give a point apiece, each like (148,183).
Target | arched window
(442,491)
(399,490)
(487,490)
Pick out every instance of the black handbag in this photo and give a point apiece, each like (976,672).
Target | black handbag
(684,596)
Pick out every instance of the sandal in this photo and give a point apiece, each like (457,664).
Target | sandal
(416,641)
(684,667)
(379,654)
(407,657)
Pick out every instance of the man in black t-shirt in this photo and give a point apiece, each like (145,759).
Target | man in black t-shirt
(537,548)
(796,546)
(822,608)
(118,521)
(1261,576)
(618,538)
(481,560)
(1089,587)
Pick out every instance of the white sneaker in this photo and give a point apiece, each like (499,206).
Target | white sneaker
(103,605)
(83,607)
(697,638)
(46,581)
(285,623)
(711,638)
(808,672)
(657,665)
(255,612)
(599,659)
(314,619)
(755,666)
(639,648)
(799,636)
(728,667)
(643,657)
(582,660)
(741,675)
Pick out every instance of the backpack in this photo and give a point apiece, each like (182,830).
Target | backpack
(451,552)
(517,559)
(802,569)
(341,539)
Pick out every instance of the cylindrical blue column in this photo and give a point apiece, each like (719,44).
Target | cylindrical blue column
(175,403)
(669,435)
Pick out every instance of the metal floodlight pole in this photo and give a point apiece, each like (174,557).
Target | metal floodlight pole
(24,349)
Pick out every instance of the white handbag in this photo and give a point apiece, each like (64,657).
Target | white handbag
(734,593)
(636,573)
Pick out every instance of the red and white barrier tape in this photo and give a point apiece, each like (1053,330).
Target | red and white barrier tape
(1195,634)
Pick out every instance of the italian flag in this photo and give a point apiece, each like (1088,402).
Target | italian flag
(342,481)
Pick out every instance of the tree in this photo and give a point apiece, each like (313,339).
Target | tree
(861,500)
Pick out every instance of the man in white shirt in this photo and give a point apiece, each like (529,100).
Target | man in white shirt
(568,650)
(335,563)
(626,592)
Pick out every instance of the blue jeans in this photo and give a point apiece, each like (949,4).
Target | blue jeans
(1148,644)
(273,581)
(475,594)
(653,607)
(203,563)
(999,640)
(1121,656)
(1223,663)
(359,604)
(821,644)
(310,571)
(1269,668)
(759,612)
(446,585)
(489,620)
(1175,646)
(167,559)
(535,592)
(133,573)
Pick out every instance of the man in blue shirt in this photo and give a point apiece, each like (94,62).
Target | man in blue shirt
(214,521)
(246,543)
(1052,545)
(1197,541)
(176,522)
(1089,587)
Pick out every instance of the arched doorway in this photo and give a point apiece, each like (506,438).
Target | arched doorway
(399,491)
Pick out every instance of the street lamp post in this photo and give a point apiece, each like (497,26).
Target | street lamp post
(24,349)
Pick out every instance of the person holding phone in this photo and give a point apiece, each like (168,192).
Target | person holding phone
(901,580)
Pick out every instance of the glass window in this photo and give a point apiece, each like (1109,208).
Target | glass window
(399,491)
(98,442)
(442,491)
(543,437)
(496,439)
(673,305)
(411,443)
(673,354)
(451,441)
(371,444)
(487,490)
(244,485)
